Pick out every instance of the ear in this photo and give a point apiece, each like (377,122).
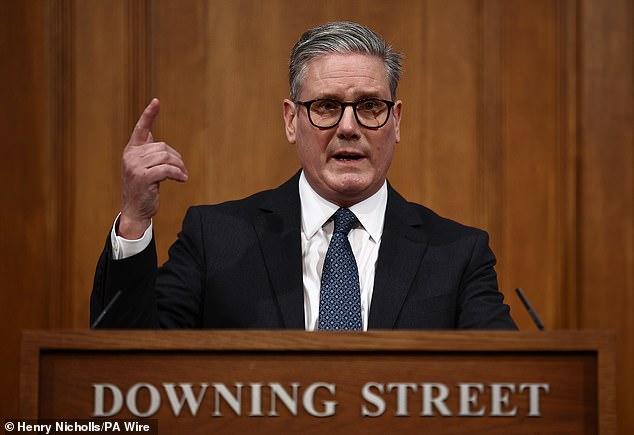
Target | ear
(290,119)
(397,111)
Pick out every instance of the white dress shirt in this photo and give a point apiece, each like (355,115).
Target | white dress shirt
(365,240)
(317,228)
(124,248)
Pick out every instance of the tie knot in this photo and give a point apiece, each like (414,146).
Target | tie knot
(345,220)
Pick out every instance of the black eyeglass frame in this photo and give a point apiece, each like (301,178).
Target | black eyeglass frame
(345,104)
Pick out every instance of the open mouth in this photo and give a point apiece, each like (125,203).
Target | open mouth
(347,157)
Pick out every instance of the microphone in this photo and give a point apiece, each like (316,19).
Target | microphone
(530,310)
(105,310)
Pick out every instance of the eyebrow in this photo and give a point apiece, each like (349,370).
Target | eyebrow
(362,96)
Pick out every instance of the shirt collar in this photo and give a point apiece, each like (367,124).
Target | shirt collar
(316,210)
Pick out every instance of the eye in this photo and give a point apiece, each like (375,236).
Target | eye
(370,105)
(326,105)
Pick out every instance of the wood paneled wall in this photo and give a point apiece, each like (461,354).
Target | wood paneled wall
(517,119)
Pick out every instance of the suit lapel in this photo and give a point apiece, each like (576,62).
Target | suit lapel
(401,252)
(278,229)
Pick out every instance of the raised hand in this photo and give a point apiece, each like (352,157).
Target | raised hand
(145,164)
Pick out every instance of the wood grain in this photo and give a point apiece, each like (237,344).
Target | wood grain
(517,119)
(570,362)
(606,200)
(29,222)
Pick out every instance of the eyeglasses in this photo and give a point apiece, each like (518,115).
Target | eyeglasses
(369,112)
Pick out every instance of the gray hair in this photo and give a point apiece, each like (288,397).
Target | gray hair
(341,37)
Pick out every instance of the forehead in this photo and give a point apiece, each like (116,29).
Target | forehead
(345,76)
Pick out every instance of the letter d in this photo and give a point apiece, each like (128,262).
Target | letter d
(117,400)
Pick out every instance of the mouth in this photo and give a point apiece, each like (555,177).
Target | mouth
(347,156)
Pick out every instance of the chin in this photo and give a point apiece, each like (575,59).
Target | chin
(352,192)
(350,183)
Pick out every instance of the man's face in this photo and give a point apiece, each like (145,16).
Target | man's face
(347,163)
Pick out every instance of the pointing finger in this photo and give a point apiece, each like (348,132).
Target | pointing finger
(142,130)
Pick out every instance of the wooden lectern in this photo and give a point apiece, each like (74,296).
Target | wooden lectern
(286,382)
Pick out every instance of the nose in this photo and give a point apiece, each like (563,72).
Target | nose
(348,127)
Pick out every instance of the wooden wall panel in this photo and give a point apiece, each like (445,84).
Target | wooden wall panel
(530,192)
(449,140)
(178,55)
(100,98)
(606,184)
(251,88)
(517,119)
(28,221)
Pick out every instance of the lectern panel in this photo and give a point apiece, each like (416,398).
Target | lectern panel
(369,392)
(297,382)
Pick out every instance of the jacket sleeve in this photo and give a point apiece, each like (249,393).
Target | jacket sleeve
(135,278)
(480,303)
(151,297)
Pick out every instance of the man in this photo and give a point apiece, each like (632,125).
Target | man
(335,247)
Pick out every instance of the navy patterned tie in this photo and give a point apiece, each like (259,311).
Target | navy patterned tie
(339,298)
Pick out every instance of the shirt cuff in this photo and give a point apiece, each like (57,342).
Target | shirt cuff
(124,248)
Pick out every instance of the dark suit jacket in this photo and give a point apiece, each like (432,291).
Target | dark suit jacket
(238,265)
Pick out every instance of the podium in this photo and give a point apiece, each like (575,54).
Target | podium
(285,382)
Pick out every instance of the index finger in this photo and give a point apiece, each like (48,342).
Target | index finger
(144,124)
